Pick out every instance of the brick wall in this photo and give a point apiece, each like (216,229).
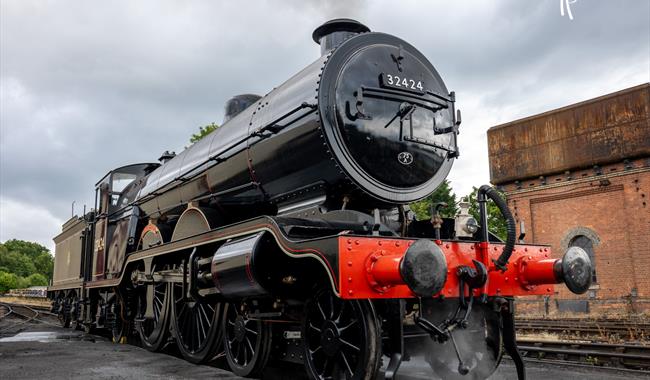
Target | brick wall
(608,204)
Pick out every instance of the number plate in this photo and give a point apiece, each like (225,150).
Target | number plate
(402,82)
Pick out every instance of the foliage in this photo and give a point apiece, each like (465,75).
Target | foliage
(422,209)
(8,281)
(17,263)
(24,264)
(22,283)
(443,193)
(496,222)
(36,279)
(203,131)
(44,264)
(26,248)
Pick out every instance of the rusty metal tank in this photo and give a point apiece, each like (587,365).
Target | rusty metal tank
(607,129)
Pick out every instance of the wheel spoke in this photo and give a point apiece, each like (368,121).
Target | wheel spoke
(314,328)
(352,323)
(250,346)
(239,345)
(208,320)
(338,317)
(201,325)
(331,299)
(183,310)
(198,333)
(245,356)
(345,342)
(347,365)
(322,313)
(325,364)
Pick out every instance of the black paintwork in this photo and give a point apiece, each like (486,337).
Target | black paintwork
(358,132)
(234,269)
(299,141)
(334,32)
(424,268)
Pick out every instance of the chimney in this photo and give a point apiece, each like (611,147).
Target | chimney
(333,32)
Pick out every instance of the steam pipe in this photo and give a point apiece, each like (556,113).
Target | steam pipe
(489,192)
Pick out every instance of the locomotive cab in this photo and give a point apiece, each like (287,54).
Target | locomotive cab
(117,219)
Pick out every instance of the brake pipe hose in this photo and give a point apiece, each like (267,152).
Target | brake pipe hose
(491,193)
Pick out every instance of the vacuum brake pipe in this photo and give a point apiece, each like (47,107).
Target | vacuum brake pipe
(574,269)
(485,192)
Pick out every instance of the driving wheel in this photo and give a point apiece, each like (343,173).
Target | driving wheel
(153,328)
(247,341)
(196,325)
(341,338)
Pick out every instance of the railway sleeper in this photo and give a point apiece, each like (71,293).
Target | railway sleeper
(610,356)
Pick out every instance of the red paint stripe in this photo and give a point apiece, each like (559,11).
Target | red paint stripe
(248,270)
(279,239)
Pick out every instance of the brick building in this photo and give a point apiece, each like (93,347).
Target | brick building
(580,175)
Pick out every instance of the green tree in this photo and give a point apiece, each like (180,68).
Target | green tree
(44,264)
(496,222)
(22,283)
(36,279)
(443,193)
(26,248)
(24,259)
(17,263)
(7,281)
(203,131)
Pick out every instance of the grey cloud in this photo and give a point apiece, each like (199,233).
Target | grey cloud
(86,87)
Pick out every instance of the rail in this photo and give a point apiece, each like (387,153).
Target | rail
(602,328)
(26,314)
(629,356)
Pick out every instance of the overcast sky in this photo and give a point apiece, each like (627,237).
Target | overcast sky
(87,86)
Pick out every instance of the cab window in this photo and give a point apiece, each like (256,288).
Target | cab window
(119,181)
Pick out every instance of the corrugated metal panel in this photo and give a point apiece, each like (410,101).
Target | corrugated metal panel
(603,130)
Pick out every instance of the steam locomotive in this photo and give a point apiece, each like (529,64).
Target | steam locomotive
(284,236)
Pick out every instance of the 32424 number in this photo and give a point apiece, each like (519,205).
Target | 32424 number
(402,82)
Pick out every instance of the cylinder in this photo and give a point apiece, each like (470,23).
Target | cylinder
(233,267)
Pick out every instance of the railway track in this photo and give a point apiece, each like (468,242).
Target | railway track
(605,329)
(627,356)
(615,356)
(15,317)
